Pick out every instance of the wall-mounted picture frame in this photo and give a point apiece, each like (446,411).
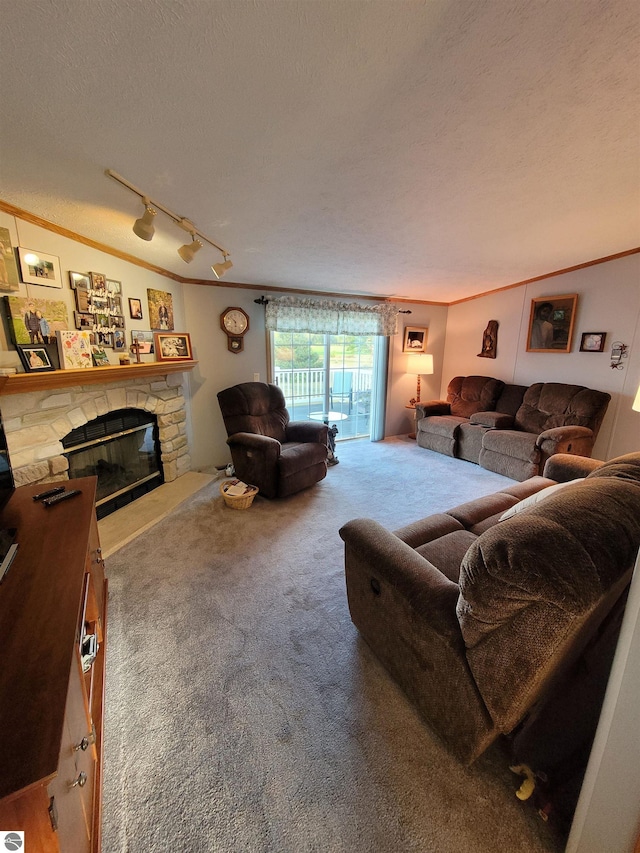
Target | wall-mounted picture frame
(34,358)
(98,284)
(160,304)
(135,309)
(415,339)
(35,321)
(551,322)
(79,279)
(38,268)
(114,288)
(175,346)
(9,279)
(83,320)
(592,341)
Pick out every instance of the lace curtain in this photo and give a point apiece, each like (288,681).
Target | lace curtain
(324,316)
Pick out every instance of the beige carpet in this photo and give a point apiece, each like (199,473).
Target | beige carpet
(243,712)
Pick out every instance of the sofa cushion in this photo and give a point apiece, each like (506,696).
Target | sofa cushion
(469,394)
(625,467)
(532,500)
(512,442)
(446,553)
(445,425)
(554,404)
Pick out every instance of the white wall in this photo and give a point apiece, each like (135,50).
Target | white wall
(608,301)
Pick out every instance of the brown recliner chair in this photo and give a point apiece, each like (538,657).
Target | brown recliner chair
(268,450)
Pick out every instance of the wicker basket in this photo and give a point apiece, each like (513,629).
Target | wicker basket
(237,501)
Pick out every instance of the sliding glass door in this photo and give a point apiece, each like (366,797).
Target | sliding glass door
(327,377)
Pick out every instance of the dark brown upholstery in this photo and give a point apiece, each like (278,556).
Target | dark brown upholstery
(511,429)
(480,619)
(268,450)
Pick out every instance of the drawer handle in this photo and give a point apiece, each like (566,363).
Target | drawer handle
(81,781)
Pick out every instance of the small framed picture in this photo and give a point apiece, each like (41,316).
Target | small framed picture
(115,304)
(113,287)
(592,341)
(79,278)
(142,340)
(100,357)
(117,321)
(173,346)
(119,342)
(83,320)
(135,309)
(37,268)
(415,339)
(34,358)
(98,284)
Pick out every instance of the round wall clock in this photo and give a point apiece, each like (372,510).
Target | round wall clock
(235,323)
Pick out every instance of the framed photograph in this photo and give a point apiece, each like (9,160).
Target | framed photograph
(119,342)
(173,347)
(117,321)
(551,323)
(9,279)
(592,341)
(83,321)
(103,339)
(114,288)
(160,309)
(135,309)
(144,339)
(38,268)
(34,358)
(115,304)
(79,279)
(98,284)
(415,339)
(35,321)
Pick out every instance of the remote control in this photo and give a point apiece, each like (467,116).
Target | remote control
(49,493)
(55,499)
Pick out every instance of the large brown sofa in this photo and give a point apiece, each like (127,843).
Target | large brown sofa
(478,618)
(511,429)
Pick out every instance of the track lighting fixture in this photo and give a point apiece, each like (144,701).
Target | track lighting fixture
(188,251)
(144,228)
(220,269)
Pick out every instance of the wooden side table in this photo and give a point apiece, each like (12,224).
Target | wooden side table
(413,408)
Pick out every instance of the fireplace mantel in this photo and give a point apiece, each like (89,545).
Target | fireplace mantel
(23,383)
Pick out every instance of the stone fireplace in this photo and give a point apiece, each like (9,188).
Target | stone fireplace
(37,418)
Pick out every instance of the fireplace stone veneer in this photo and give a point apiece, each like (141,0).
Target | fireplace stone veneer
(35,423)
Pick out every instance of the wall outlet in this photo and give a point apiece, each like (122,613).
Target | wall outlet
(256,377)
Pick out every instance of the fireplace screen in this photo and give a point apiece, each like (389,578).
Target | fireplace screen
(122,450)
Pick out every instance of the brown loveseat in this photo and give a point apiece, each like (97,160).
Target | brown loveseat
(511,429)
(478,618)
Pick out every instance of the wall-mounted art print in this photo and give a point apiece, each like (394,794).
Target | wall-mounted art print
(74,347)
(415,339)
(35,321)
(9,279)
(551,323)
(173,347)
(160,309)
(34,358)
(489,340)
(38,268)
(592,341)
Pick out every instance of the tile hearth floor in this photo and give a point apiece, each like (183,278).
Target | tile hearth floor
(125,524)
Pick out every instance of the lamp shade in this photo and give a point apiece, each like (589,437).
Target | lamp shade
(220,269)
(420,364)
(187,252)
(636,402)
(143,227)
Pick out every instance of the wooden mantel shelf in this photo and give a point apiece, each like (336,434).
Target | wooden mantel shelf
(24,383)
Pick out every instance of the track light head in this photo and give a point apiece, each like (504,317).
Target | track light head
(220,269)
(143,227)
(188,251)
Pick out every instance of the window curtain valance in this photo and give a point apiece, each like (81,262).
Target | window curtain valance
(325,316)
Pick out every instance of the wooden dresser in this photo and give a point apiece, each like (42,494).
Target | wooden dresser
(52,667)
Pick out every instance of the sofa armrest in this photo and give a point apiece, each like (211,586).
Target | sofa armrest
(492,420)
(254,441)
(563,467)
(432,407)
(432,595)
(306,431)
(566,439)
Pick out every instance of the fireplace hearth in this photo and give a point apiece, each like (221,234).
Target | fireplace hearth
(122,449)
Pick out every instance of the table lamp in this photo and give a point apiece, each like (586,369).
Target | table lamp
(420,364)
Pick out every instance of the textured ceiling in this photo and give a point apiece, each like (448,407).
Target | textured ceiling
(426,150)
